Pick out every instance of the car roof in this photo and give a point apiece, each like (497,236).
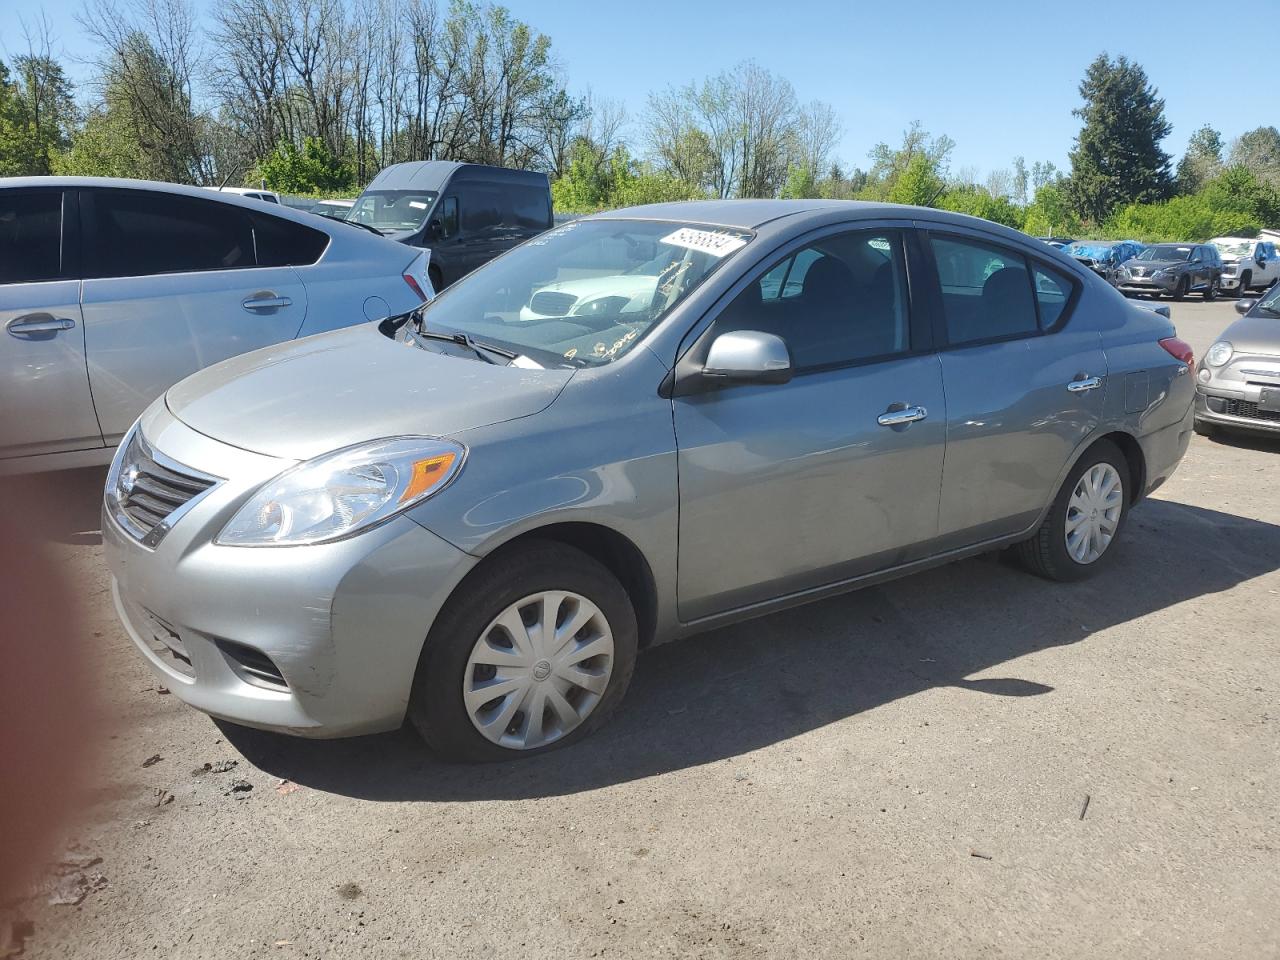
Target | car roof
(434,174)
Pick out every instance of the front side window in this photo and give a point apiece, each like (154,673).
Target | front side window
(986,290)
(393,211)
(142,234)
(30,236)
(840,300)
(584,293)
(449,217)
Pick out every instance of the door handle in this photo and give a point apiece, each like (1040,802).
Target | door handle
(896,418)
(265,301)
(1084,384)
(39,326)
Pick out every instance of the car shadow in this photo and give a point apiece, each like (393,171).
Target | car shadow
(64,506)
(731,691)
(1246,440)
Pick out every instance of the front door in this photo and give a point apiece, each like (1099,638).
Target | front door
(791,486)
(44,384)
(1023,386)
(173,286)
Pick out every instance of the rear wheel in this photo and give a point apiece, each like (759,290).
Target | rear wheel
(1077,537)
(533,652)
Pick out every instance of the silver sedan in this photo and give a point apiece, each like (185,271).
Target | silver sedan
(477,514)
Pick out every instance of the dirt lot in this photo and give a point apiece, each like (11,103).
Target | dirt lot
(900,772)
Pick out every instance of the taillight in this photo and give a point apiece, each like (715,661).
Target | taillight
(413,285)
(1180,350)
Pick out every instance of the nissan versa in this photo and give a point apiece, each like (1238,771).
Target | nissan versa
(474,516)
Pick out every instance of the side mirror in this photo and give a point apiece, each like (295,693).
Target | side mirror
(435,230)
(748,356)
(1244,306)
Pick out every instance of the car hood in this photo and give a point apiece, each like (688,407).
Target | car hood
(1255,334)
(306,397)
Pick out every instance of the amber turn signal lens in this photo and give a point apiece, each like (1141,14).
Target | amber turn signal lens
(426,474)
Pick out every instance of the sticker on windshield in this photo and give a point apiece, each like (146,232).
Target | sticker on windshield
(706,241)
(417,204)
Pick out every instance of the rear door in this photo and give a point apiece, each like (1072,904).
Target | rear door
(786,487)
(173,284)
(1023,386)
(45,403)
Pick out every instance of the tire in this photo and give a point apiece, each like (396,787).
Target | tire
(1246,278)
(436,278)
(1211,291)
(1180,291)
(1045,553)
(438,708)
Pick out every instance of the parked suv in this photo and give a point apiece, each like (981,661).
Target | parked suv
(1173,268)
(465,212)
(1247,264)
(113,290)
(1104,257)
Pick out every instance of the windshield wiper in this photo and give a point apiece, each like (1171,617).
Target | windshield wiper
(485,351)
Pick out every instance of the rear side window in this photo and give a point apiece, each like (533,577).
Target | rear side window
(143,234)
(530,207)
(481,208)
(1052,293)
(30,236)
(986,290)
(283,243)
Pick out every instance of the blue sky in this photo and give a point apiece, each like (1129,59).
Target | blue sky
(997,76)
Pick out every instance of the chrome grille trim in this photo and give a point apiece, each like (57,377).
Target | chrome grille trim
(552,303)
(160,491)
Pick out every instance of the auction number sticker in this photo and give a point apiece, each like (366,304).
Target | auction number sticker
(707,241)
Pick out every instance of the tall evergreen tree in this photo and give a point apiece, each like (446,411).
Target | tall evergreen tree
(1117,158)
(1202,161)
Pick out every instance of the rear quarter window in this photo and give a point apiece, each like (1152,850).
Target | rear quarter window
(283,243)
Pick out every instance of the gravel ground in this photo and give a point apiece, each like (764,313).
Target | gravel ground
(900,772)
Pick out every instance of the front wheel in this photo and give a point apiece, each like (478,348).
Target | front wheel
(534,651)
(1211,291)
(1077,537)
(1246,278)
(1180,291)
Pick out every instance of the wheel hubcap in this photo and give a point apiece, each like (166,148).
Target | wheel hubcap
(538,670)
(1093,513)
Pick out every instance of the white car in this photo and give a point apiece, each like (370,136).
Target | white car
(1247,264)
(113,290)
(253,193)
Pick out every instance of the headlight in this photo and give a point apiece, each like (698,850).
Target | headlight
(1160,275)
(343,492)
(1218,354)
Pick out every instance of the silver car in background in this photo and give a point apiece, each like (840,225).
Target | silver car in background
(111,291)
(476,515)
(1238,380)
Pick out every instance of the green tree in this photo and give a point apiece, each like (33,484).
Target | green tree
(1202,161)
(919,184)
(310,169)
(594,181)
(1117,157)
(1049,214)
(980,202)
(48,108)
(1259,151)
(800,183)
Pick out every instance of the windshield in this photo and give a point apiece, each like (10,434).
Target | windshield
(392,210)
(1234,248)
(1166,251)
(1270,302)
(584,293)
(1094,251)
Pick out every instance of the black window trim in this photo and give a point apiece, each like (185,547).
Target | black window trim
(940,333)
(696,342)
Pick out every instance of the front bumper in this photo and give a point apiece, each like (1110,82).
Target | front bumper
(340,625)
(1146,285)
(1233,409)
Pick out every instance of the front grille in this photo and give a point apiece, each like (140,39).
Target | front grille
(148,489)
(166,644)
(1139,271)
(549,303)
(1244,408)
(253,666)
